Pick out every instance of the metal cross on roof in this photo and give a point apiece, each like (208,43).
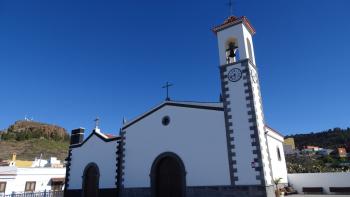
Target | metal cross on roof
(167,85)
(97,122)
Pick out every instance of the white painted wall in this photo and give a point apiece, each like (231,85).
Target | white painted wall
(42,176)
(244,150)
(325,180)
(197,136)
(261,123)
(97,151)
(279,168)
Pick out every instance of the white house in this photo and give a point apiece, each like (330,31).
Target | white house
(17,180)
(189,148)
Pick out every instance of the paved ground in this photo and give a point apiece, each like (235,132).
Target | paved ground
(304,195)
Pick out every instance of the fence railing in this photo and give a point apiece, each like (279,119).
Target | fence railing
(35,194)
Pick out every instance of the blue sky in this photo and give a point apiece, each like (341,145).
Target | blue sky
(66,62)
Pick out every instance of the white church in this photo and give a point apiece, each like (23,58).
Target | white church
(188,149)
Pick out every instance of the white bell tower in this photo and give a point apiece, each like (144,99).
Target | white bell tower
(244,118)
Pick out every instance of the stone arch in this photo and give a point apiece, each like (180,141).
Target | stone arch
(168,166)
(91,179)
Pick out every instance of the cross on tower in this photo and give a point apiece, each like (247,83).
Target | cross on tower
(167,85)
(230,5)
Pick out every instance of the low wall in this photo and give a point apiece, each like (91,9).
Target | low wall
(325,180)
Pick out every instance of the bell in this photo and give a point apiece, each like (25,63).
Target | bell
(232,53)
(231,50)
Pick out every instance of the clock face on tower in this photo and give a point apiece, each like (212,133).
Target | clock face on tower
(234,75)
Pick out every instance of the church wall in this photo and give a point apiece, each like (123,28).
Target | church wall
(197,136)
(97,151)
(279,168)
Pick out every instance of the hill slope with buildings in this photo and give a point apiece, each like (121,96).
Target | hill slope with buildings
(332,139)
(325,151)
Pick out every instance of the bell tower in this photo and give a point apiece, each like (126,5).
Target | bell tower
(244,118)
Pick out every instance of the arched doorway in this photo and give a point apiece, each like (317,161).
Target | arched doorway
(168,176)
(91,180)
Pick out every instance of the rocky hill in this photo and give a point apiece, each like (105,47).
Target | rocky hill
(29,139)
(25,130)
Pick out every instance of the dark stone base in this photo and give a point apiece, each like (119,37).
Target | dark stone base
(210,191)
(203,191)
(102,192)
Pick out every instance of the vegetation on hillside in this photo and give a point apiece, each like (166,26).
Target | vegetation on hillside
(314,164)
(333,138)
(311,162)
(29,149)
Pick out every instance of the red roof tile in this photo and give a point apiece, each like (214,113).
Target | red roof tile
(233,20)
(110,135)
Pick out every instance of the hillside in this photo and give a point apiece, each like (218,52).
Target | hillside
(29,149)
(333,138)
(312,163)
(29,139)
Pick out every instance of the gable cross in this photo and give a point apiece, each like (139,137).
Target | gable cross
(167,85)
(97,122)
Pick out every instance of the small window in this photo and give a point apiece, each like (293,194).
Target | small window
(278,154)
(165,120)
(2,187)
(30,186)
(57,186)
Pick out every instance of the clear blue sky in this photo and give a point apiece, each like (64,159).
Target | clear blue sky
(66,61)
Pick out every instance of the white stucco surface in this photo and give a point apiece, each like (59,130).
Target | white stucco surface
(197,136)
(17,178)
(242,140)
(279,168)
(97,151)
(324,180)
(260,119)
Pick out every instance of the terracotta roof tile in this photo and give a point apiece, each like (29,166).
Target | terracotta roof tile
(233,20)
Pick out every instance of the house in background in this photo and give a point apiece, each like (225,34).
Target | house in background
(289,146)
(18,180)
(340,152)
(325,152)
(17,176)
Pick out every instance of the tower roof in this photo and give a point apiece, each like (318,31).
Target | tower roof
(233,20)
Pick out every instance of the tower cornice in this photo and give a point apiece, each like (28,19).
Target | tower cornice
(233,20)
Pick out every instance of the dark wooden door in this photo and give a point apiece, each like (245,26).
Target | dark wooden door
(91,181)
(169,178)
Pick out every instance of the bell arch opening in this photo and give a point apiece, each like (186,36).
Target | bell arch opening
(250,50)
(232,52)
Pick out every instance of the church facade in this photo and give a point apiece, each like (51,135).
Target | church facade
(189,149)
